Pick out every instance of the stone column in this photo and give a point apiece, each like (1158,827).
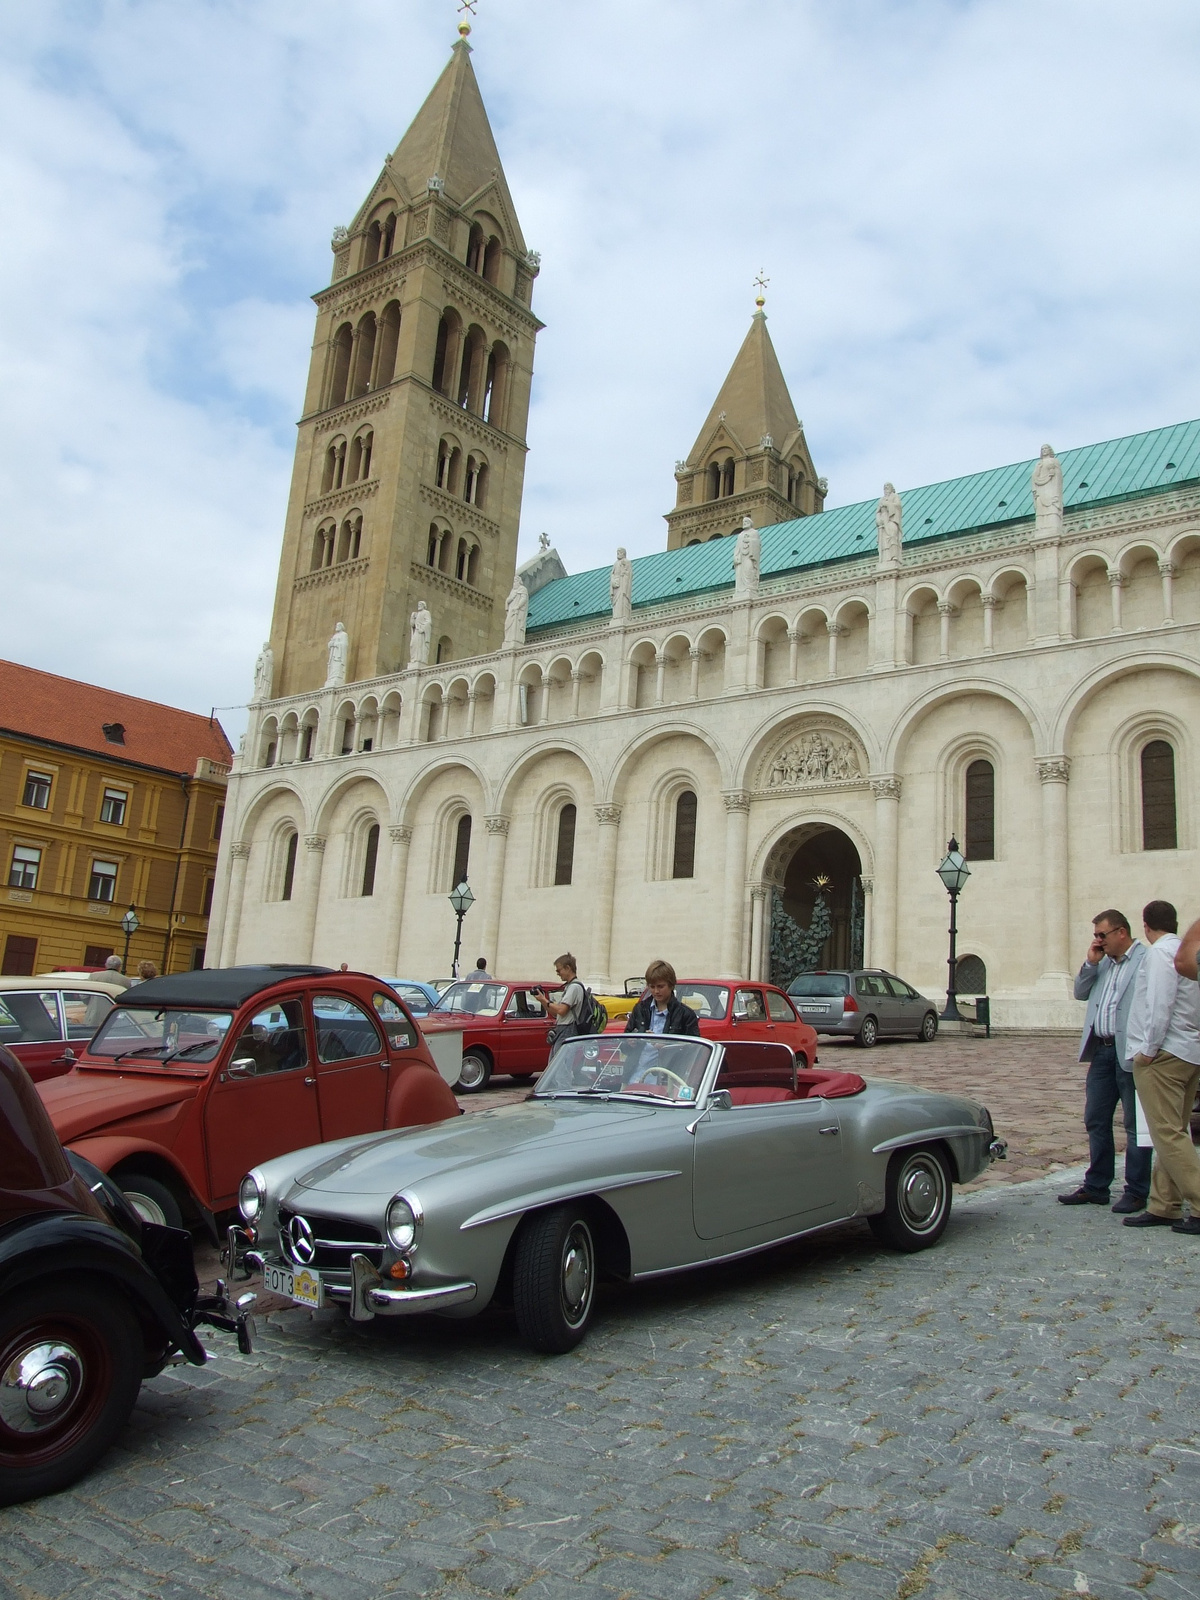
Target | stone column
(835,630)
(868,885)
(737,832)
(660,675)
(608,819)
(1045,620)
(1167,569)
(989,603)
(472,697)
(310,895)
(239,853)
(1053,771)
(793,655)
(883,631)
(758,894)
(544,708)
(887,864)
(694,655)
(577,678)
(401,838)
(945,612)
(497,847)
(1116,582)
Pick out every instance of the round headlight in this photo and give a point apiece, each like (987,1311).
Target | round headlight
(251,1193)
(401,1224)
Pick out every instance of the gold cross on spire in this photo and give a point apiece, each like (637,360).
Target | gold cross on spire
(466,8)
(760,283)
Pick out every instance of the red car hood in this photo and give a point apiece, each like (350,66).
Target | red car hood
(449,1024)
(82,1103)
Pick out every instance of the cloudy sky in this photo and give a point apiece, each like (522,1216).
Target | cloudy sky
(979,219)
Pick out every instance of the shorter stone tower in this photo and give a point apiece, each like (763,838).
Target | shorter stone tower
(410,458)
(750,458)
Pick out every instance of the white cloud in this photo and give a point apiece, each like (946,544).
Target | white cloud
(979,218)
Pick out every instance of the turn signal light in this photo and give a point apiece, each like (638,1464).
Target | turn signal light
(849,1003)
(399,1269)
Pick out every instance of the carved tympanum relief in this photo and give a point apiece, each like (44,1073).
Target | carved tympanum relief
(819,756)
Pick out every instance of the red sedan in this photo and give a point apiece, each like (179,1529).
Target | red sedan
(504,1026)
(736,1010)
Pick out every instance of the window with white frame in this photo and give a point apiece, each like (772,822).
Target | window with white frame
(113,807)
(26,862)
(102,885)
(37,790)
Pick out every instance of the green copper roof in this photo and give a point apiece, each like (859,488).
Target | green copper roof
(1119,469)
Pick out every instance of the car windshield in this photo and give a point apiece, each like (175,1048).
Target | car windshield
(142,1033)
(814,983)
(474,999)
(705,999)
(415,999)
(633,1065)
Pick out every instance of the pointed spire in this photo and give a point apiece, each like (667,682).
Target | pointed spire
(451,139)
(754,401)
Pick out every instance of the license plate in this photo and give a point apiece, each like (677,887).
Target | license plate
(806,1007)
(304,1287)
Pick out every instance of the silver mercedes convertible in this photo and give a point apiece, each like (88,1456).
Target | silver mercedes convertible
(635,1155)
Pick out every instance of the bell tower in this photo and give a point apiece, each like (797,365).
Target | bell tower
(410,458)
(750,458)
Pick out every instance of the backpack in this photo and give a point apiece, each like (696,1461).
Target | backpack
(593,1017)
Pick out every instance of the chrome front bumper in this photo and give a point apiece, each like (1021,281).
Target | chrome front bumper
(368,1297)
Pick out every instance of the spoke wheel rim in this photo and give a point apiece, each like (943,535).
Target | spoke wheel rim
(921,1191)
(55,1377)
(577,1274)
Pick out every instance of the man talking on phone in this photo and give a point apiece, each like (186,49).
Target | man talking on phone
(1105,981)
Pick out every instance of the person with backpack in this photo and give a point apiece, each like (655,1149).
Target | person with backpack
(574,1012)
(661,1011)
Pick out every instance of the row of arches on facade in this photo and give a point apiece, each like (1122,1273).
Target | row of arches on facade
(720,481)
(470,371)
(459,474)
(457,558)
(484,251)
(347,461)
(362,355)
(333,543)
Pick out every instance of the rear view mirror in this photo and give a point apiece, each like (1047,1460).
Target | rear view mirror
(720,1100)
(244,1067)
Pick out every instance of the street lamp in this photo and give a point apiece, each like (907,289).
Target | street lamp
(461,899)
(954,873)
(129,926)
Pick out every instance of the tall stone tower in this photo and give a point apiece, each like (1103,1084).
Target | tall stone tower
(410,459)
(750,458)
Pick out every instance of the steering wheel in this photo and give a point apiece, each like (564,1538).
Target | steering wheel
(662,1076)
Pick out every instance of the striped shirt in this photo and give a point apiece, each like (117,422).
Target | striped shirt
(1106,1007)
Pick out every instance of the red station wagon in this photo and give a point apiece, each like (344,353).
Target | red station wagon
(196,1078)
(504,1026)
(728,1009)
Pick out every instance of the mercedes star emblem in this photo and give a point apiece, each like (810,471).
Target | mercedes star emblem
(301,1244)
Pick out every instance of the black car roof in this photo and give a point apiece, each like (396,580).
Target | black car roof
(215,986)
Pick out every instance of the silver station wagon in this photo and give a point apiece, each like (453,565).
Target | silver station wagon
(635,1155)
(864,1004)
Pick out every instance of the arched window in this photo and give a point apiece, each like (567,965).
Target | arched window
(334,466)
(389,337)
(471,480)
(339,364)
(343,544)
(496,395)
(473,567)
(389,234)
(444,552)
(727,478)
(472,372)
(364,356)
(481,478)
(460,564)
(564,854)
(714,480)
(446,356)
(970,975)
(683,856)
(491,260)
(979,829)
(445,649)
(372,245)
(322,546)
(1159,831)
(289,866)
(462,851)
(442,478)
(432,556)
(355,538)
(475,249)
(370,856)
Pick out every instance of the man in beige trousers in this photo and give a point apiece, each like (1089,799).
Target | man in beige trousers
(1164,1038)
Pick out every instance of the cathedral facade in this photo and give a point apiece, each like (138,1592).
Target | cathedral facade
(648,759)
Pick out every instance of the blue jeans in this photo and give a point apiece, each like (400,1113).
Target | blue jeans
(1108,1085)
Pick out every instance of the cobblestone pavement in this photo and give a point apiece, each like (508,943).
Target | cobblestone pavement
(1014,1413)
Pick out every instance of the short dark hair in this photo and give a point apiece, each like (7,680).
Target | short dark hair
(481,964)
(567,961)
(660,972)
(1162,916)
(1115,919)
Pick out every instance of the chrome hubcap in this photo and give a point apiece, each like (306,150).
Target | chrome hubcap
(472,1072)
(39,1386)
(922,1193)
(149,1210)
(577,1273)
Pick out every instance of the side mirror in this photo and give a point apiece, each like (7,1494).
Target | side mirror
(244,1067)
(720,1100)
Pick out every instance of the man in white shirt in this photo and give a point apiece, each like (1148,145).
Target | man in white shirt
(1164,1038)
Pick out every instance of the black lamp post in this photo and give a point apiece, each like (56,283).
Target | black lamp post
(462,900)
(953,872)
(129,926)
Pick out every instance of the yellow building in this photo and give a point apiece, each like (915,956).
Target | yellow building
(106,802)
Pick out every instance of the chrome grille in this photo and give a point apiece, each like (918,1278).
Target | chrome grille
(335,1239)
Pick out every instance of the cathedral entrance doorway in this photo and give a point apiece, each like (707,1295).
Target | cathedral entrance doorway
(813,878)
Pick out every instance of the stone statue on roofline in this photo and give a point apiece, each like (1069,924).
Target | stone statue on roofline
(338,657)
(889,526)
(747,558)
(1047,483)
(420,635)
(516,610)
(620,587)
(264,672)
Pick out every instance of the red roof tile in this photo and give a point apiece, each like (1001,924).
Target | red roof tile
(64,711)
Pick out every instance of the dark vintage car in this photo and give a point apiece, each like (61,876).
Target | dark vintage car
(196,1077)
(92,1300)
(504,1025)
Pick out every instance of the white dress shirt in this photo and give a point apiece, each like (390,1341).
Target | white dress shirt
(1165,1014)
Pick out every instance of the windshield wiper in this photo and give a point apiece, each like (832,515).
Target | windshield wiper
(186,1050)
(142,1050)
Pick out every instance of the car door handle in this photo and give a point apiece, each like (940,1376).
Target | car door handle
(312,1081)
(834,1129)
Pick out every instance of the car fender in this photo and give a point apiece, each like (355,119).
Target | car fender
(419,1095)
(68,1244)
(108,1151)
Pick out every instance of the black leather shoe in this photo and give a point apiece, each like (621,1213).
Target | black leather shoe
(1082,1197)
(1186,1225)
(1149,1219)
(1129,1203)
